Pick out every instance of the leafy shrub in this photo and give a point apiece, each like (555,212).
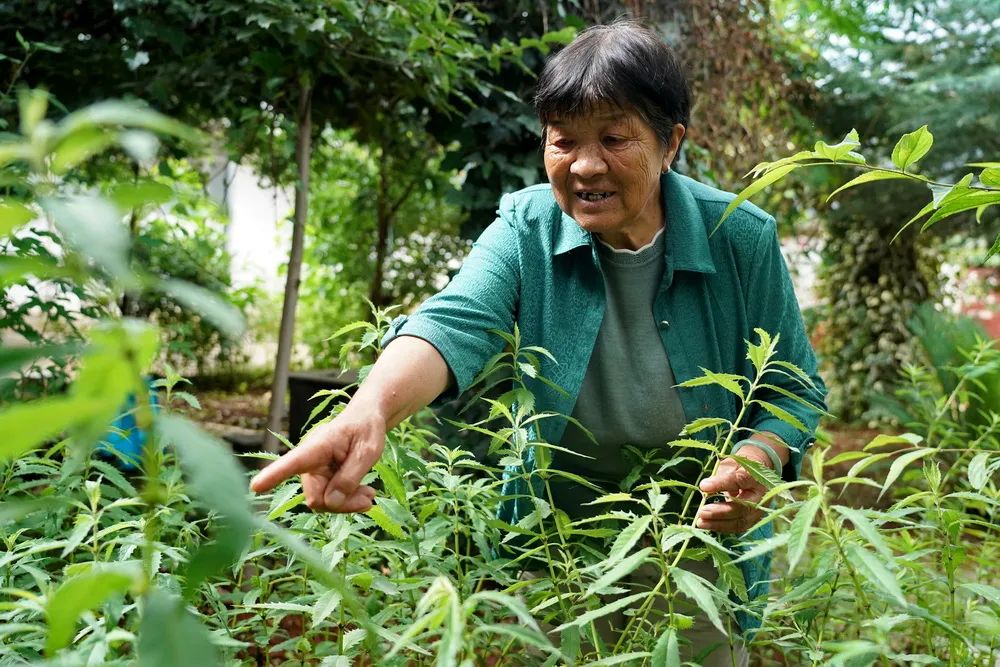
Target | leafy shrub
(168,568)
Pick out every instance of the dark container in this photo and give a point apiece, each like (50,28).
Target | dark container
(302,387)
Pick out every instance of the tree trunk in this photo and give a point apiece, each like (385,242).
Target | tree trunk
(286,334)
(384,224)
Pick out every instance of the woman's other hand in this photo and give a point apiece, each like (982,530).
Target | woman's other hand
(332,460)
(743,493)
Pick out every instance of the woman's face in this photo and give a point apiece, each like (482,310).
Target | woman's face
(605,169)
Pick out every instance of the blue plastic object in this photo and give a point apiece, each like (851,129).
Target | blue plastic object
(124,441)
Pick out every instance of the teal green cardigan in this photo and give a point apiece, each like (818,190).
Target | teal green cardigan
(535,266)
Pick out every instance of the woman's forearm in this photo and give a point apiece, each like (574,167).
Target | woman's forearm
(408,375)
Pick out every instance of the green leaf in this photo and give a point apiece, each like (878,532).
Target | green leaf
(763,474)
(116,113)
(701,424)
(610,608)
(393,482)
(632,658)
(667,651)
(325,605)
(135,195)
(347,328)
(979,475)
(727,381)
(882,440)
(867,177)
(378,515)
(700,591)
(79,594)
(525,636)
(755,187)
(170,636)
(986,591)
(213,475)
(220,313)
(782,414)
(765,546)
(629,537)
(31,425)
(900,464)
(911,147)
(32,103)
(840,152)
(618,570)
(219,483)
(93,226)
(13,214)
(990,177)
(875,572)
(798,531)
(79,147)
(119,354)
(14,510)
(866,529)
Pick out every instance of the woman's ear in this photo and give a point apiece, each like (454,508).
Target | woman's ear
(673,145)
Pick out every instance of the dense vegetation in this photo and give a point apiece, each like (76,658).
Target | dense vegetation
(114,275)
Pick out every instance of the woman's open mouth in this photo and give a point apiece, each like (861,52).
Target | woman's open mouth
(593,196)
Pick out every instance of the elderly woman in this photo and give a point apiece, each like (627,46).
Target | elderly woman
(612,267)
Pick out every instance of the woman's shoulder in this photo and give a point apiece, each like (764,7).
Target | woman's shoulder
(741,231)
(533,203)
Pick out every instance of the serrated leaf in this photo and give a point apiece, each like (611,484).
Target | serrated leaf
(911,147)
(782,414)
(798,531)
(393,482)
(698,590)
(875,572)
(667,653)
(325,605)
(629,537)
(701,424)
(378,515)
(866,529)
(609,608)
(618,570)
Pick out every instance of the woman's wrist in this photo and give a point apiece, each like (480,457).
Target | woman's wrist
(772,451)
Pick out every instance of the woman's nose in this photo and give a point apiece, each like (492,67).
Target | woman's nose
(589,162)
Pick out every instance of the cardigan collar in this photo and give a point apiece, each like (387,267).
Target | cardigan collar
(686,245)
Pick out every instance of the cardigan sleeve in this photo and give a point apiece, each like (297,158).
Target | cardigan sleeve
(774,308)
(458,321)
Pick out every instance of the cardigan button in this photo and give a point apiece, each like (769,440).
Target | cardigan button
(664,324)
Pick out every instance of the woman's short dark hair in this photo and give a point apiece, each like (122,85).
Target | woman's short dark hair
(624,64)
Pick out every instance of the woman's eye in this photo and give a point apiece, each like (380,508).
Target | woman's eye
(562,144)
(612,140)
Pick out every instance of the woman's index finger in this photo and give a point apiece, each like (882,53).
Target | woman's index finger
(301,459)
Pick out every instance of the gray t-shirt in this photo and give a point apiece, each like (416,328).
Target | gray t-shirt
(628,395)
